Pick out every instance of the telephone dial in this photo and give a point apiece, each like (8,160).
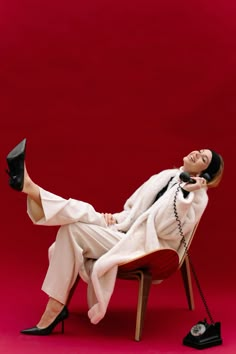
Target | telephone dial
(203,335)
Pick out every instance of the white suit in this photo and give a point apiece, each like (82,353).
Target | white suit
(142,227)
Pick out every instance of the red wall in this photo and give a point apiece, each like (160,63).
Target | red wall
(110,92)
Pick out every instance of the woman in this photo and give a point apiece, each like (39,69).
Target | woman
(91,245)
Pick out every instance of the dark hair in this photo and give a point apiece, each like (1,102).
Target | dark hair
(214,165)
(215,169)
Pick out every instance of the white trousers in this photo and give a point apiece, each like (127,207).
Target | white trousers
(78,243)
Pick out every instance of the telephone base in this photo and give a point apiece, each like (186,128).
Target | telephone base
(203,335)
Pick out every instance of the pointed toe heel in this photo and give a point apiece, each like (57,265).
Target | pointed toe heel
(15,160)
(36,331)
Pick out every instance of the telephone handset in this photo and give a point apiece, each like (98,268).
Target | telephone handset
(202,335)
(185,177)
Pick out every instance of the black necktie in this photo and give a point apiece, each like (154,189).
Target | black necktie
(162,191)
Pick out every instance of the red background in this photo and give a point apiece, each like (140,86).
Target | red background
(108,93)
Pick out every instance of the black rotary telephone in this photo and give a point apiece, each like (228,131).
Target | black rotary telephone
(203,334)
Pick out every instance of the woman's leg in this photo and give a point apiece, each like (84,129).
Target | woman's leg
(46,208)
(34,200)
(75,244)
(20,180)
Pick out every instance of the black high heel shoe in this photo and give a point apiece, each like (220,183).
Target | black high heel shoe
(35,331)
(15,161)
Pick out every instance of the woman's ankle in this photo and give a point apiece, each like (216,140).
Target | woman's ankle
(27,186)
(54,305)
(52,310)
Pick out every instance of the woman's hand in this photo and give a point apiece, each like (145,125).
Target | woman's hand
(109,218)
(200,183)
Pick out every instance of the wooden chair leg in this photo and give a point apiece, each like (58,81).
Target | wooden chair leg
(145,281)
(186,276)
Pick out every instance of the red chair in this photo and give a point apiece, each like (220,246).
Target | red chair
(154,267)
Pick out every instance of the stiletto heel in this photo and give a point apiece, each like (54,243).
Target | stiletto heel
(15,160)
(36,331)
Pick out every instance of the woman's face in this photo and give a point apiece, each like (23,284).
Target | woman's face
(197,161)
